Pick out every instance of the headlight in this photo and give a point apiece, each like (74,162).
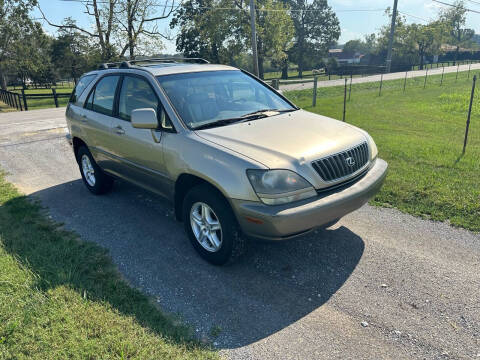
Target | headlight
(372,146)
(276,187)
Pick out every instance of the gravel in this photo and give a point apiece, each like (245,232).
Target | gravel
(299,299)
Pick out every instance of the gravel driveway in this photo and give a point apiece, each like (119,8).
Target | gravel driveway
(378,285)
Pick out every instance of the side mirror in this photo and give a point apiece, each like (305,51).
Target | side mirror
(144,119)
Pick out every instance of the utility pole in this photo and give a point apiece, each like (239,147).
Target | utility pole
(392,33)
(254,37)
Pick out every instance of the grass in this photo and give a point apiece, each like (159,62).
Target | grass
(5,108)
(420,133)
(62,298)
(48,102)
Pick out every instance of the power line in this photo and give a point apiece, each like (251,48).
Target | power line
(456,6)
(413,16)
(475,2)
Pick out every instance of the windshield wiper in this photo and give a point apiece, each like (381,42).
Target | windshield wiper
(216,123)
(260,112)
(263,111)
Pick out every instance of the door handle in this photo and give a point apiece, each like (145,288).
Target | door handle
(119,130)
(83,118)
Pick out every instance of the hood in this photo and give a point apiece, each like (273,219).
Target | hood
(286,140)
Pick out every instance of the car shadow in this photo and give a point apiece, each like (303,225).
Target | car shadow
(271,287)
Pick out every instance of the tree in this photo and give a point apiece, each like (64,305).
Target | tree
(136,21)
(123,25)
(454,19)
(316,29)
(354,46)
(14,21)
(275,33)
(37,64)
(426,39)
(208,31)
(214,30)
(103,12)
(71,51)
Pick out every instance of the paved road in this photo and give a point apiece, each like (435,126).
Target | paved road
(416,283)
(374,78)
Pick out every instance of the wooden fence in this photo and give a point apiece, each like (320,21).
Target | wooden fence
(19,101)
(11,98)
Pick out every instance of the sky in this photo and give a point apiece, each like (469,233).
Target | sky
(354,24)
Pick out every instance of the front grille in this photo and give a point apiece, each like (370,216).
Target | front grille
(343,164)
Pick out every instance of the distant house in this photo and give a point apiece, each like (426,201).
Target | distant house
(345,57)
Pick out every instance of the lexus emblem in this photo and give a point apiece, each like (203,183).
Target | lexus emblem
(350,161)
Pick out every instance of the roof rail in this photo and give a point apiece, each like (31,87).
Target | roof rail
(171,60)
(131,63)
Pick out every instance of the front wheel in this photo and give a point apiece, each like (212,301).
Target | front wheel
(211,226)
(93,177)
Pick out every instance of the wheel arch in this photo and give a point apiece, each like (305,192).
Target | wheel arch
(184,183)
(77,143)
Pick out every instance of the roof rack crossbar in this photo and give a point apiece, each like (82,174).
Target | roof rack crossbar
(130,63)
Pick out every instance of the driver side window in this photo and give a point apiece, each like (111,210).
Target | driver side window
(136,93)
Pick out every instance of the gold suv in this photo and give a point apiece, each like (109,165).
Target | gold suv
(236,158)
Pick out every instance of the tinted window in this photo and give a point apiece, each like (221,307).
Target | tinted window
(102,97)
(204,97)
(136,93)
(81,85)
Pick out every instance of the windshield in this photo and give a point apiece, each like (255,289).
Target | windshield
(211,96)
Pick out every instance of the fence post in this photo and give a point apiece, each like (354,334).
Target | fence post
(441,81)
(24,99)
(458,67)
(350,90)
(469,68)
(15,100)
(469,113)
(315,83)
(405,81)
(381,83)
(345,100)
(425,82)
(19,102)
(55,97)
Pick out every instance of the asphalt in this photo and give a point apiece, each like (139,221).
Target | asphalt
(374,78)
(378,285)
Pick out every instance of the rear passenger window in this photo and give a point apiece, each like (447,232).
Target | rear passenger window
(103,96)
(81,85)
(136,93)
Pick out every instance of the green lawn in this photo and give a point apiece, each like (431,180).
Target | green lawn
(48,102)
(62,298)
(420,133)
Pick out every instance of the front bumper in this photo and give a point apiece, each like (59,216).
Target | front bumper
(285,221)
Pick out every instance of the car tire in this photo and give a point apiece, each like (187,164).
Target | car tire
(205,203)
(93,177)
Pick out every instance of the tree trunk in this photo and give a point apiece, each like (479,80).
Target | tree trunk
(285,70)
(260,67)
(261,58)
(3,81)
(457,50)
(215,55)
(421,60)
(300,58)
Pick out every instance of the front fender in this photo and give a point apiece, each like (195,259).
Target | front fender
(219,166)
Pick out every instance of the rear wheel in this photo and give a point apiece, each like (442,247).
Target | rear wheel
(93,177)
(211,226)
